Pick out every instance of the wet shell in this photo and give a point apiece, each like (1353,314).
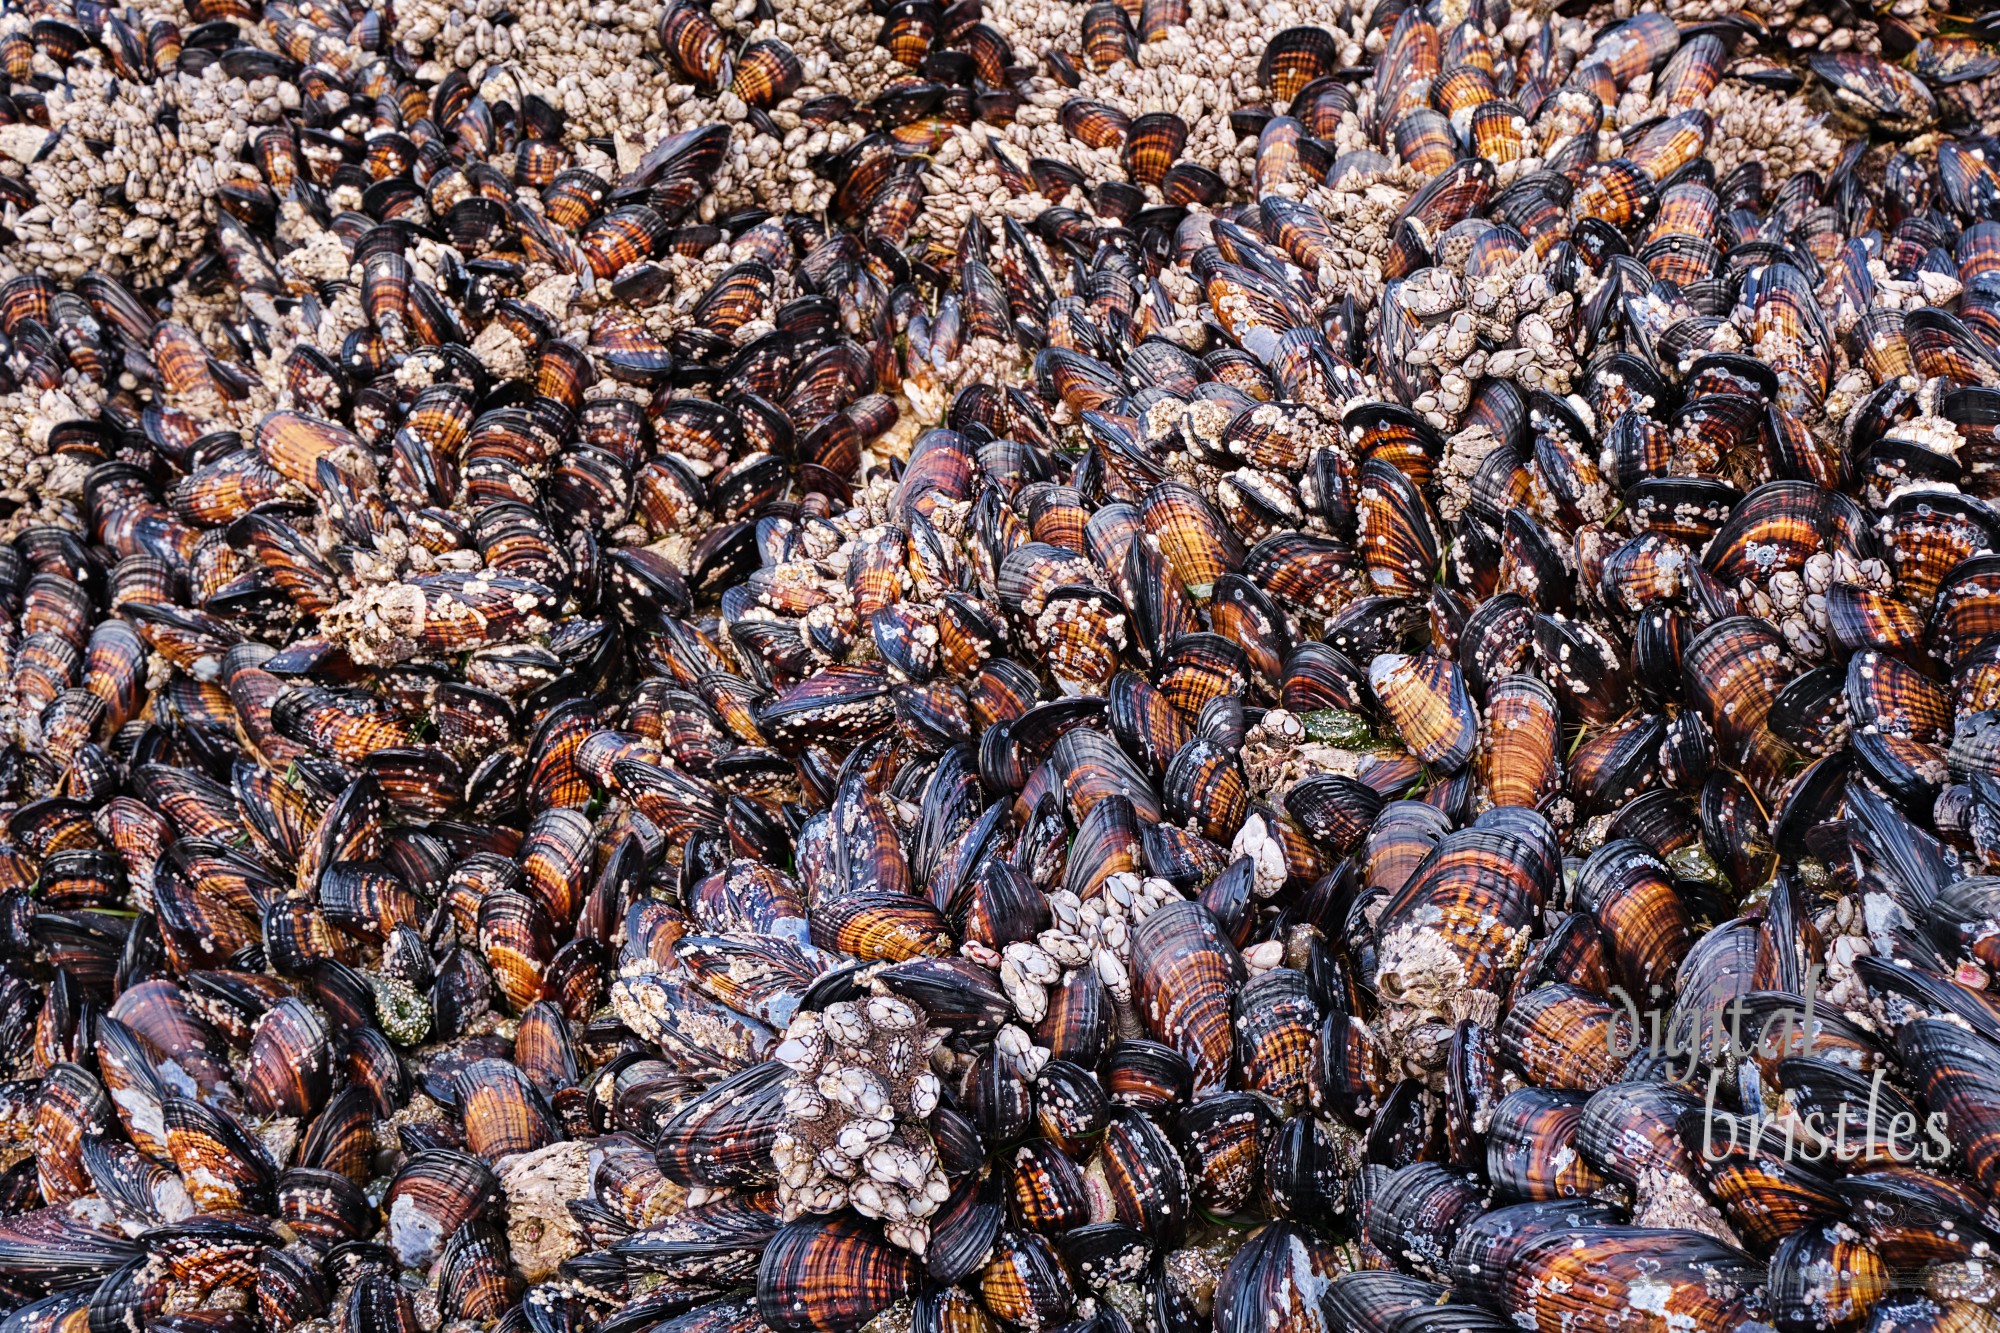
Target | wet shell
(1563,1037)
(829,1276)
(767,72)
(1188,977)
(1426,698)
(1271,1277)
(692,37)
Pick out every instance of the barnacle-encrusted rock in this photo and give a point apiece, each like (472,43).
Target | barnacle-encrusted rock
(541,1232)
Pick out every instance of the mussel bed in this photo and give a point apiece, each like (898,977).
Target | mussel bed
(1143,666)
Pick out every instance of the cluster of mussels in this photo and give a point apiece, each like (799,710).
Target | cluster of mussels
(1377,712)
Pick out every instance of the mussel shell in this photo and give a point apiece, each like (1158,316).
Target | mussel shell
(829,1275)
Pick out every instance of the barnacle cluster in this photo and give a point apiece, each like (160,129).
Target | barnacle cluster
(856,1109)
(122,171)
